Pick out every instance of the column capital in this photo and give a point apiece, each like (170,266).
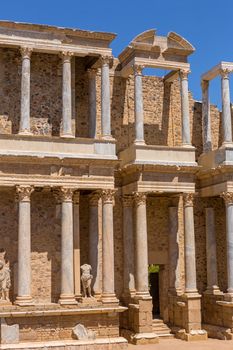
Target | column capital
(66,194)
(228,197)
(225,73)
(66,56)
(106,60)
(184,74)
(94,198)
(188,199)
(108,196)
(138,68)
(76,197)
(139,198)
(92,72)
(127,201)
(205,84)
(26,51)
(23,193)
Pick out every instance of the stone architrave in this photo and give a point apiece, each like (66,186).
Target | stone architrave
(226,107)
(138,105)
(105,98)
(186,137)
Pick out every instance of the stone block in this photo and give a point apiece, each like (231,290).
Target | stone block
(9,333)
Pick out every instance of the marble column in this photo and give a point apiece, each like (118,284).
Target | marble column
(189,248)
(228,198)
(108,295)
(128,243)
(94,242)
(226,107)
(105,99)
(186,137)
(24,297)
(206,120)
(77,281)
(138,105)
(211,256)
(92,102)
(67,248)
(66,95)
(141,246)
(174,272)
(24,127)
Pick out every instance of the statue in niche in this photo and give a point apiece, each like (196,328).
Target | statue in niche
(5,281)
(86,279)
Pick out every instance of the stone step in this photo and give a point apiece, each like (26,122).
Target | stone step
(161,329)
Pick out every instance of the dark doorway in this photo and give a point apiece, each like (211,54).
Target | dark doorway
(154,289)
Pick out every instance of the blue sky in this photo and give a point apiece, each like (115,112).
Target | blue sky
(207,24)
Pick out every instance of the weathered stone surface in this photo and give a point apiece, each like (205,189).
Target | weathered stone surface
(81,333)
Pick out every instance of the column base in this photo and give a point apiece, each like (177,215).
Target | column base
(188,145)
(25,132)
(213,291)
(109,298)
(139,142)
(142,296)
(24,301)
(66,299)
(107,137)
(228,297)
(70,136)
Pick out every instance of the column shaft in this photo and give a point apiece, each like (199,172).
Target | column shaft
(66,96)
(92,102)
(226,108)
(206,120)
(24,246)
(105,99)
(186,137)
(24,127)
(138,105)
(77,282)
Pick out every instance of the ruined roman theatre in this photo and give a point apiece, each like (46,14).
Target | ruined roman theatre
(116,205)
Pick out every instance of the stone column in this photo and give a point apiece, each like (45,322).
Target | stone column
(206,120)
(66,95)
(141,246)
(186,137)
(128,243)
(105,99)
(228,198)
(24,127)
(94,242)
(24,297)
(92,102)
(77,281)
(67,248)
(174,273)
(226,107)
(138,105)
(189,241)
(108,294)
(212,274)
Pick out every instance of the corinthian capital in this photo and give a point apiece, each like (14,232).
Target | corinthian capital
(66,194)
(228,197)
(76,197)
(188,199)
(225,73)
(184,74)
(137,68)
(23,193)
(108,196)
(139,198)
(26,51)
(127,201)
(66,56)
(106,60)
(94,198)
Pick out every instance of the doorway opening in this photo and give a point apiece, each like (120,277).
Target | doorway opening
(153,271)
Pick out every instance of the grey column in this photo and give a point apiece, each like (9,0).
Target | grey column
(189,241)
(228,198)
(67,248)
(206,120)
(108,295)
(186,137)
(105,99)
(174,271)
(24,127)
(211,256)
(128,243)
(138,105)
(92,102)
(141,246)
(77,282)
(226,107)
(24,246)
(66,95)
(94,242)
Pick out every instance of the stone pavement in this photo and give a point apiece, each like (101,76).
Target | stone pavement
(176,344)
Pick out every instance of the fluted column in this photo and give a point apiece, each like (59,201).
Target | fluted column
(108,294)
(189,239)
(228,198)
(105,98)
(186,137)
(94,242)
(211,256)
(92,102)
(138,105)
(206,120)
(226,107)
(77,282)
(24,297)
(67,249)
(66,95)
(128,242)
(141,246)
(24,127)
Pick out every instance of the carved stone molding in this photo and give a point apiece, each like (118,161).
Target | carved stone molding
(127,201)
(184,74)
(106,60)
(188,199)
(94,198)
(138,69)
(66,56)
(225,73)
(23,193)
(66,194)
(139,198)
(26,52)
(228,197)
(76,197)
(108,196)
